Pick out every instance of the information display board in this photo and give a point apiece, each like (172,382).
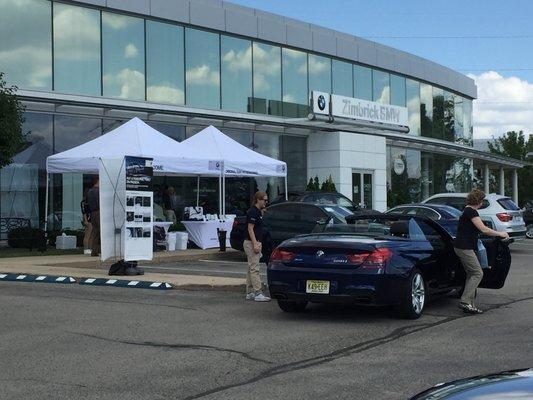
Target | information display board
(139,206)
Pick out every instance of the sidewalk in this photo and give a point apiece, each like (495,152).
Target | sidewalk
(84,266)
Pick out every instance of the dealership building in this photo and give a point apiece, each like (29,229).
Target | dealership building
(389,128)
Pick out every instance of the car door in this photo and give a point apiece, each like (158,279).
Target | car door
(499,257)
(280,220)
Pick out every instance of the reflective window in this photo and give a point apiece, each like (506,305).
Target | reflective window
(295,93)
(397,90)
(442,173)
(438,113)
(380,86)
(269,144)
(23,183)
(70,131)
(426,110)
(294,153)
(267,79)
(319,73)
(467,121)
(164,63)
(412,90)
(109,124)
(123,56)
(174,131)
(458,120)
(449,120)
(236,55)
(26,43)
(342,77)
(202,77)
(362,82)
(403,176)
(76,50)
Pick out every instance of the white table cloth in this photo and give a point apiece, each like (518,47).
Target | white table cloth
(204,233)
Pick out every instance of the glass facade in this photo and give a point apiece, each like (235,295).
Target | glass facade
(76,50)
(426,110)
(397,90)
(295,90)
(380,86)
(236,56)
(412,93)
(165,76)
(26,54)
(342,78)
(319,73)
(202,76)
(362,82)
(266,79)
(123,56)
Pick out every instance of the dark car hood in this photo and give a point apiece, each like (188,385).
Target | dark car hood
(508,385)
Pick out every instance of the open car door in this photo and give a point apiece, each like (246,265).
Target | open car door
(499,257)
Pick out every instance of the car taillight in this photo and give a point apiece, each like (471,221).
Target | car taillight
(504,217)
(374,260)
(282,256)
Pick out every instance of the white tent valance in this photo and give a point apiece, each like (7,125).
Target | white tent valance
(236,159)
(134,138)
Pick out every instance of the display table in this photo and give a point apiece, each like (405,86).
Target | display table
(204,233)
(163,224)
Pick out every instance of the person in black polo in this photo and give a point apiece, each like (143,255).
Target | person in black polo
(252,247)
(465,244)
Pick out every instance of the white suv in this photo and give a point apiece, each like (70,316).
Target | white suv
(497,212)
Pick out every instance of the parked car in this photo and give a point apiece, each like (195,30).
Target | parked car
(528,218)
(285,220)
(432,211)
(517,384)
(383,259)
(330,198)
(501,211)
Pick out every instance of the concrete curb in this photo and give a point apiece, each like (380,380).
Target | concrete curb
(37,278)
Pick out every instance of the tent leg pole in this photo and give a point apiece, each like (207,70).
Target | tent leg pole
(223,194)
(286,193)
(198,192)
(46,204)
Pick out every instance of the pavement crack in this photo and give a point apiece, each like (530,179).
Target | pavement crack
(177,346)
(344,352)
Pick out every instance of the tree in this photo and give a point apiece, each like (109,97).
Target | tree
(514,144)
(328,185)
(12,138)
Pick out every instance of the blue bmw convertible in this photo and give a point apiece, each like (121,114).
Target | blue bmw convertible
(383,260)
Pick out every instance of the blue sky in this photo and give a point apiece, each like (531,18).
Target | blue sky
(471,36)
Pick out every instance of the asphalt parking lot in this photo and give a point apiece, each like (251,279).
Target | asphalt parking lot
(71,341)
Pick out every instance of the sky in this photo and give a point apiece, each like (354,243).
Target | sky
(489,40)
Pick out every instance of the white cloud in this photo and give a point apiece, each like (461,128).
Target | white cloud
(503,104)
(116,21)
(289,98)
(30,66)
(165,94)
(202,75)
(130,51)
(238,61)
(316,66)
(128,83)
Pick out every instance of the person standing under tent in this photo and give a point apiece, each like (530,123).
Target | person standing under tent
(93,199)
(86,222)
(252,247)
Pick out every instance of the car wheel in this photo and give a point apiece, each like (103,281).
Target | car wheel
(529,231)
(415,296)
(292,306)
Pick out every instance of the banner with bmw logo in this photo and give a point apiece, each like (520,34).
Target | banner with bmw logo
(321,102)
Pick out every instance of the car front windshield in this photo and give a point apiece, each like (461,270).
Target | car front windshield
(338,213)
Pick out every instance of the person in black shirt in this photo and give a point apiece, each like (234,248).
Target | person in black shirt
(93,199)
(252,247)
(465,244)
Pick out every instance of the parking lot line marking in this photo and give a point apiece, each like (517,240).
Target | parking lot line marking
(111,281)
(90,280)
(21,277)
(40,278)
(133,283)
(156,284)
(61,278)
(2,276)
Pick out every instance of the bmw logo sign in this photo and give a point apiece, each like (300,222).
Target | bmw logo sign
(321,102)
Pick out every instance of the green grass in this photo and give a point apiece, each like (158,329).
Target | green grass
(51,251)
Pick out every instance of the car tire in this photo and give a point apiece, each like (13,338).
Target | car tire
(292,306)
(415,297)
(529,231)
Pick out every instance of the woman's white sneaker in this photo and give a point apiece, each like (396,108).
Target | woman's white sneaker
(250,296)
(261,297)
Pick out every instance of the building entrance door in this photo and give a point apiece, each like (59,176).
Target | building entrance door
(362,188)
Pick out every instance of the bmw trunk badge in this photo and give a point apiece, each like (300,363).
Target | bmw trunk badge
(319,253)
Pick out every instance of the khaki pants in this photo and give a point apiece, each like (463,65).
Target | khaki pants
(87,235)
(474,274)
(253,280)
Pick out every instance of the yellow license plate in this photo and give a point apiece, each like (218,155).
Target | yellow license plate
(320,287)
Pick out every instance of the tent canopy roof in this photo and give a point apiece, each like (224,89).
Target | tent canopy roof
(238,160)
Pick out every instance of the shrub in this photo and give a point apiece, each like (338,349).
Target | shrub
(27,238)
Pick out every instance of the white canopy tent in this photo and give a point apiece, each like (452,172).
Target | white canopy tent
(230,158)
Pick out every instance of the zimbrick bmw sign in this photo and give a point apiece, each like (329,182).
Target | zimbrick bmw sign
(347,107)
